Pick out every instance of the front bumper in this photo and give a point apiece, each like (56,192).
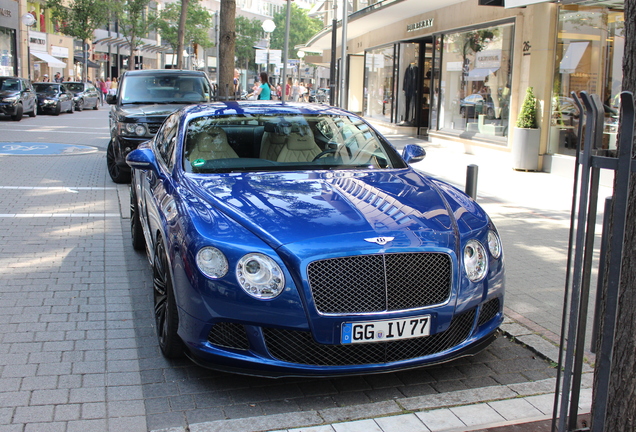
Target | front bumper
(279,352)
(8,108)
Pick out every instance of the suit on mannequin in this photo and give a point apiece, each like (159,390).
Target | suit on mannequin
(410,88)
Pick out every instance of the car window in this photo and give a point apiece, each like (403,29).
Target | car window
(75,87)
(10,84)
(163,88)
(166,139)
(239,143)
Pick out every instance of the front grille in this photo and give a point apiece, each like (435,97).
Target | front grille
(153,128)
(488,311)
(229,335)
(376,283)
(299,347)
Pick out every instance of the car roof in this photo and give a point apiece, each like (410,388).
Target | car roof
(263,108)
(163,72)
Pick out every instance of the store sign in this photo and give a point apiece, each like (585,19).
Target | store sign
(427,23)
(37,41)
(522,3)
(5,13)
(57,51)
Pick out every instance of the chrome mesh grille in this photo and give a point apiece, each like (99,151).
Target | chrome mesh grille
(299,347)
(376,283)
(488,311)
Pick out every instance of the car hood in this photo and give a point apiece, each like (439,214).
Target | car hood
(287,208)
(8,93)
(150,110)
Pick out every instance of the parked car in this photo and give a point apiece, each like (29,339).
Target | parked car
(85,95)
(322,95)
(295,240)
(475,104)
(53,98)
(17,97)
(144,99)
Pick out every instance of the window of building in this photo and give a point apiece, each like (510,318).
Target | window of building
(379,83)
(589,56)
(7,52)
(474,88)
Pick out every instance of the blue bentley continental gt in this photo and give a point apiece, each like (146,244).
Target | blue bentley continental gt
(294,240)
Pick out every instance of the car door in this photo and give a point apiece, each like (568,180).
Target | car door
(158,187)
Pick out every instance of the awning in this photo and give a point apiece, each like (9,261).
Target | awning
(479,74)
(90,63)
(52,61)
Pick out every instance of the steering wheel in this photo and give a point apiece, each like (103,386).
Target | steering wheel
(323,153)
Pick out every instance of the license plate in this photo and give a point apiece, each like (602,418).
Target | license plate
(385,330)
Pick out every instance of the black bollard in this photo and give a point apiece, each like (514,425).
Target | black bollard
(471,181)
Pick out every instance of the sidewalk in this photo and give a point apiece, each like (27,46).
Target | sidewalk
(532,211)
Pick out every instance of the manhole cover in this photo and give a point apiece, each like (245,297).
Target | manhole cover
(39,149)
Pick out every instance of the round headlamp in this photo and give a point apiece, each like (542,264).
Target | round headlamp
(475,260)
(135,129)
(494,244)
(260,276)
(212,262)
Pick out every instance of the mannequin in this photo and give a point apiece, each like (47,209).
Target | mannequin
(410,88)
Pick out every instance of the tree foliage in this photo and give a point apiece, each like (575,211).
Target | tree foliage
(248,33)
(135,21)
(198,23)
(301,29)
(80,18)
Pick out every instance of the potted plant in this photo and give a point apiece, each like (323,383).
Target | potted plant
(527,136)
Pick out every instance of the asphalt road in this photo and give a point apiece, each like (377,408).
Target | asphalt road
(77,343)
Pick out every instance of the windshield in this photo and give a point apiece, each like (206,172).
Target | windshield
(284,143)
(9,84)
(75,87)
(184,89)
(49,89)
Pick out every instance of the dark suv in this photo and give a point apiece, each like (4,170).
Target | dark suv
(17,97)
(143,101)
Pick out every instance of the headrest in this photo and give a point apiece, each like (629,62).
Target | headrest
(301,129)
(210,140)
(282,127)
(299,142)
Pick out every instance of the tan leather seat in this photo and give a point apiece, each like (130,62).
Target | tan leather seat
(272,143)
(300,146)
(211,144)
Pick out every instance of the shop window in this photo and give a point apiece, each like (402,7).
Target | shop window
(474,89)
(379,83)
(7,52)
(589,56)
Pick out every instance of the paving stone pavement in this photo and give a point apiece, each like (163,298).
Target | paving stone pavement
(78,350)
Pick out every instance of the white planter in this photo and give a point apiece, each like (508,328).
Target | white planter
(525,149)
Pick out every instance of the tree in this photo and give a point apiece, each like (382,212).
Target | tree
(301,29)
(620,415)
(199,20)
(80,18)
(248,33)
(135,20)
(227,44)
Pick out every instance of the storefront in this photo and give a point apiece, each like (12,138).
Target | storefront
(589,56)
(8,40)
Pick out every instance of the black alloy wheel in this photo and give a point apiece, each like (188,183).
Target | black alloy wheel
(58,109)
(117,174)
(166,317)
(79,105)
(136,230)
(35,110)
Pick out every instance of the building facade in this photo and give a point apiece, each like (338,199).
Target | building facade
(458,70)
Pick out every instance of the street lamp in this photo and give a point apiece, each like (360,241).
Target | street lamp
(268,27)
(301,55)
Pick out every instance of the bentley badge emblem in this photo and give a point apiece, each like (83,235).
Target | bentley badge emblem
(379,240)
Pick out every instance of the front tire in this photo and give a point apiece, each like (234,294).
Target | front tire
(79,105)
(136,230)
(18,113)
(166,317)
(117,174)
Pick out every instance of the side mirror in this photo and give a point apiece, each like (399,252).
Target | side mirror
(413,153)
(143,159)
(111,99)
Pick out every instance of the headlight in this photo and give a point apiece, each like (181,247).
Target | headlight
(49,101)
(212,262)
(10,99)
(138,129)
(475,260)
(494,244)
(260,276)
